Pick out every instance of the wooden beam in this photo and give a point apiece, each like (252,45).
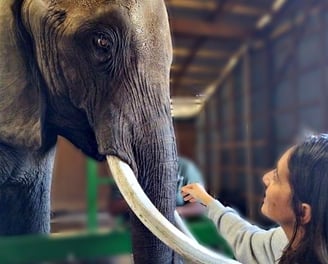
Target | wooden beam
(230,7)
(207,29)
(182,52)
(245,10)
(195,69)
(192,4)
(197,45)
(188,81)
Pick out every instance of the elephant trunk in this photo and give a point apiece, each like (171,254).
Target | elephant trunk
(157,170)
(150,150)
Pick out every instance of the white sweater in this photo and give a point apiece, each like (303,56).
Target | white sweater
(249,243)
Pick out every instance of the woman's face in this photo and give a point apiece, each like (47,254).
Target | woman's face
(277,200)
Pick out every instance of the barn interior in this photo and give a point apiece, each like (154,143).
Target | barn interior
(248,78)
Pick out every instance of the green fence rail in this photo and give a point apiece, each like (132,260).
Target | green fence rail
(39,249)
(93,243)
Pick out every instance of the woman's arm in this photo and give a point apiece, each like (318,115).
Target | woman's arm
(250,243)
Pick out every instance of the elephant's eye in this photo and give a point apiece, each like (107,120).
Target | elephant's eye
(102,41)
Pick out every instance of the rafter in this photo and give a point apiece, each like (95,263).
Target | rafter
(207,29)
(196,69)
(230,7)
(197,45)
(193,4)
(181,52)
(189,81)
(246,10)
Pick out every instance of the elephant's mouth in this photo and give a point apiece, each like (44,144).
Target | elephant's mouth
(155,221)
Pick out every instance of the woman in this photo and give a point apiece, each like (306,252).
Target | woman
(296,198)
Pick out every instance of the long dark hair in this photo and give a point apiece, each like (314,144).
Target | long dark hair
(308,167)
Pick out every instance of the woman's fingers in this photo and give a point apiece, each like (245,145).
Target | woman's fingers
(188,197)
(189,193)
(195,192)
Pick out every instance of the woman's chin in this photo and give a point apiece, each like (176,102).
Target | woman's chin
(265,212)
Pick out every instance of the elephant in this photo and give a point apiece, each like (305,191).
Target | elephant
(95,72)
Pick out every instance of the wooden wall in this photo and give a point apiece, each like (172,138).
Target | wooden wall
(69,180)
(186,137)
(277,91)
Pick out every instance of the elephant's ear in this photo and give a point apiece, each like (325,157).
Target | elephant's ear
(20,93)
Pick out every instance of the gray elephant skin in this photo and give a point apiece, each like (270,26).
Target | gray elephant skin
(97,73)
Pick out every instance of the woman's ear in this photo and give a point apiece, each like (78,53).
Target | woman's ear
(20,82)
(306,213)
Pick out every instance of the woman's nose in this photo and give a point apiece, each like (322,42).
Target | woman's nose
(266,179)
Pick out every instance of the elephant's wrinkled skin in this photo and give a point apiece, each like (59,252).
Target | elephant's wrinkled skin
(97,73)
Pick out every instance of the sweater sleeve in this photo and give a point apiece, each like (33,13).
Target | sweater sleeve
(250,243)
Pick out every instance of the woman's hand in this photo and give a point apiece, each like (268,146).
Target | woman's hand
(195,192)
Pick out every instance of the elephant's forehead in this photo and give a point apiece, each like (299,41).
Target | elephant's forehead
(143,15)
(138,11)
(80,12)
(93,4)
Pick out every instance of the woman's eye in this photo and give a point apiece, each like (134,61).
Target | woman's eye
(103,42)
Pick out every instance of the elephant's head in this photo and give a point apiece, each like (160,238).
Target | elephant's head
(97,73)
(76,68)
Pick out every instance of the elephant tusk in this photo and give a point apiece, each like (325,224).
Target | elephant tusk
(155,221)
